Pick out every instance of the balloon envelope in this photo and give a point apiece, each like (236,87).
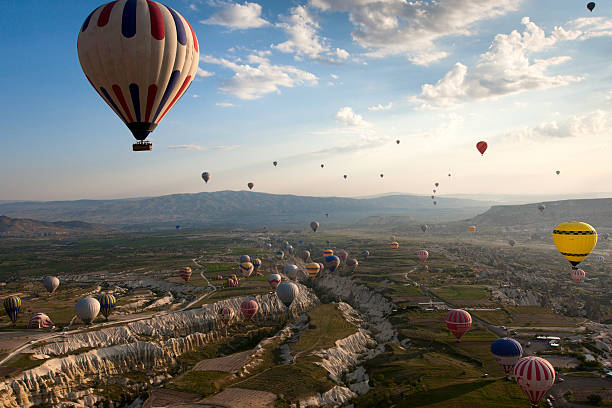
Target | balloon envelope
(305,255)
(506,352)
(12,306)
(273,280)
(482,147)
(291,271)
(535,376)
(246,268)
(87,309)
(574,240)
(40,321)
(206,176)
(332,262)
(422,254)
(107,304)
(250,186)
(394,245)
(185,273)
(314,225)
(226,314)
(50,283)
(578,275)
(591,5)
(245,258)
(458,322)
(287,292)
(249,309)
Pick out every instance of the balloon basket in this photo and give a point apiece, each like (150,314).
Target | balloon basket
(142,146)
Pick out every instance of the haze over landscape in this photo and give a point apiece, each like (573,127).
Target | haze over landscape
(348,203)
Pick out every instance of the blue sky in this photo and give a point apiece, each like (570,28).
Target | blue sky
(322,81)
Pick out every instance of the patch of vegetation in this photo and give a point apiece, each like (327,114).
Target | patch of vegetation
(326,325)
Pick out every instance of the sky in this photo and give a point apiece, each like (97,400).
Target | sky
(333,82)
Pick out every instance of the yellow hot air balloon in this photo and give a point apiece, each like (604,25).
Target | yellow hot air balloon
(394,245)
(312,269)
(575,240)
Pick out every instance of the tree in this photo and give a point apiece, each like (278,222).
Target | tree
(595,399)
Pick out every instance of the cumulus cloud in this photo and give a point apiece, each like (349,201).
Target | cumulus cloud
(238,16)
(225,104)
(187,147)
(412,28)
(347,117)
(304,40)
(259,77)
(203,73)
(587,125)
(503,70)
(380,107)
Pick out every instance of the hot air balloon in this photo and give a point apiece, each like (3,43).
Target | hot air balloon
(50,283)
(345,176)
(314,225)
(458,322)
(245,258)
(12,306)
(393,238)
(394,245)
(250,186)
(435,203)
(313,269)
(140,56)
(558,172)
(321,267)
(422,254)
(590,5)
(256,264)
(332,262)
(432,197)
(232,282)
(352,263)
(600,259)
(249,309)
(436,184)
(326,215)
(178,227)
(246,268)
(482,147)
(107,304)
(449,174)
(289,249)
(434,191)
(343,255)
(280,254)
(185,273)
(535,376)
(578,275)
(574,240)
(512,242)
(206,176)
(472,228)
(275,163)
(424,227)
(541,207)
(328,252)
(397,141)
(273,280)
(226,314)
(285,244)
(87,309)
(322,165)
(506,352)
(365,253)
(382,175)
(305,255)
(287,292)
(40,321)
(291,271)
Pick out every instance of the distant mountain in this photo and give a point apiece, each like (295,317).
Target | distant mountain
(21,227)
(239,208)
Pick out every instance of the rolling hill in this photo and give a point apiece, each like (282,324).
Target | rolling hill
(19,227)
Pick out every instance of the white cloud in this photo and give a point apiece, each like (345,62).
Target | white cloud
(503,70)
(412,28)
(187,147)
(304,41)
(260,77)
(593,27)
(195,96)
(380,107)
(347,117)
(334,76)
(584,126)
(193,7)
(239,16)
(226,148)
(204,74)
(225,104)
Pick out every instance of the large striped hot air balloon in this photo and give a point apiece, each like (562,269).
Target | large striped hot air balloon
(140,56)
(185,273)
(394,245)
(226,314)
(256,264)
(332,262)
(578,275)
(249,309)
(107,304)
(422,254)
(574,240)
(458,322)
(12,306)
(328,252)
(246,268)
(313,269)
(40,321)
(535,376)
(273,280)
(506,352)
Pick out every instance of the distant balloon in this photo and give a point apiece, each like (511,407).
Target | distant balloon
(605,236)
(226,314)
(326,215)
(291,271)
(314,225)
(332,262)
(472,228)
(578,275)
(40,321)
(541,207)
(328,252)
(434,191)
(273,280)
(397,141)
(322,165)
(449,174)
(591,6)
(107,304)
(352,263)
(558,172)
(365,253)
(327,242)
(436,184)
(535,376)
(256,264)
(50,283)
(600,259)
(394,245)
(482,147)
(343,255)
(432,197)
(506,352)
(275,163)
(280,254)
(435,203)
(574,240)
(246,268)
(249,309)
(178,227)
(305,255)
(345,176)
(87,309)
(321,267)
(206,176)
(250,186)
(422,254)
(458,322)
(424,227)
(285,244)
(245,258)
(185,273)
(382,175)
(12,306)
(512,242)
(312,269)
(268,245)
(289,249)
(287,292)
